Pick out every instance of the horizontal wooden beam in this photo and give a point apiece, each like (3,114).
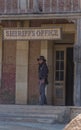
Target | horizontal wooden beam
(40,16)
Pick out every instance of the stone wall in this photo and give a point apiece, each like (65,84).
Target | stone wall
(22,58)
(34,52)
(19,74)
(7,90)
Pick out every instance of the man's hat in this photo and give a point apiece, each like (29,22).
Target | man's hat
(41,58)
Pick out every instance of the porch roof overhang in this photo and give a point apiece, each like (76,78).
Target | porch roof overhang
(40,16)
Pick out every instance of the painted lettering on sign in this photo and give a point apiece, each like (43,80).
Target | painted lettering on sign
(32,34)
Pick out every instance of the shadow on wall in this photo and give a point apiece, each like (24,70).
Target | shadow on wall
(34,100)
(37,6)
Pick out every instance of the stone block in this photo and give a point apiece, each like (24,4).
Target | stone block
(21,73)
(21,93)
(22,45)
(21,57)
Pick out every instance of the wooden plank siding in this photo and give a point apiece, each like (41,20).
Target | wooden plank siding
(43,6)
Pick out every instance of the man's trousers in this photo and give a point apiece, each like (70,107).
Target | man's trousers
(43,99)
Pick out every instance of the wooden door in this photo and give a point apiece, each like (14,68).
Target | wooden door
(59,75)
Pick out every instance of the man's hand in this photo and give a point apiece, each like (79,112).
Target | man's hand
(42,81)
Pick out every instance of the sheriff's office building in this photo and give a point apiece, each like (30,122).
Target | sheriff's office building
(30,28)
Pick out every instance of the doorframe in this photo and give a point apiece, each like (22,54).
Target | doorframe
(60,47)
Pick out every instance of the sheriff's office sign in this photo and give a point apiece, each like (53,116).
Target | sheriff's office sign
(32,34)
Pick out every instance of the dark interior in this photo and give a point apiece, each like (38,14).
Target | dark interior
(69,76)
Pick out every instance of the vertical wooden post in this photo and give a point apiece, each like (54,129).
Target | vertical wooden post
(5,6)
(43,5)
(65,5)
(12,11)
(77,54)
(28,4)
(57,6)
(18,6)
(72,5)
(50,6)
(36,6)
(79,1)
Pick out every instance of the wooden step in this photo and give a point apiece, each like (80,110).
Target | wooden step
(39,114)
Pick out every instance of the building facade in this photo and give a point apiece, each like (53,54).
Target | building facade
(18,57)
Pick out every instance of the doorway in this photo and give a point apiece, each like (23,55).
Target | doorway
(69,76)
(63,75)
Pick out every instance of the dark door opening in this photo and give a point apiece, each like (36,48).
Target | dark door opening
(69,76)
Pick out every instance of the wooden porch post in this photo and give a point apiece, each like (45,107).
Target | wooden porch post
(77,59)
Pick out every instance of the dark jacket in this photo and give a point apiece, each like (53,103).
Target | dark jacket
(43,72)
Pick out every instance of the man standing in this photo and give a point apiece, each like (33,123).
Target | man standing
(43,79)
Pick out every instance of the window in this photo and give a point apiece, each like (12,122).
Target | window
(23,5)
(59,75)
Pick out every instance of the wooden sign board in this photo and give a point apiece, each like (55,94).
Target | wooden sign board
(32,33)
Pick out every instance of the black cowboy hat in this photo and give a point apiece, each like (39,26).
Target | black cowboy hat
(41,58)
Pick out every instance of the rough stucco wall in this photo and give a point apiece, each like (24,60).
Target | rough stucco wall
(7,90)
(34,52)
